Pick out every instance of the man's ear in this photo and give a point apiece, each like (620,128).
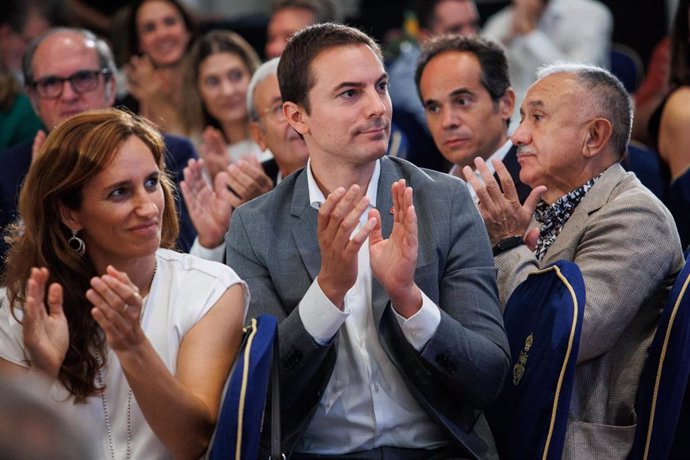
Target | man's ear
(69,217)
(257,134)
(597,136)
(506,104)
(296,116)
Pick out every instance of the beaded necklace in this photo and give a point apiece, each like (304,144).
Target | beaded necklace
(129,396)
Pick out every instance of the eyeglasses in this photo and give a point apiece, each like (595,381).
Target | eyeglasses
(275,113)
(50,87)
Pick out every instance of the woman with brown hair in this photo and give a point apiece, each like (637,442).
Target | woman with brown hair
(214,98)
(151,39)
(138,336)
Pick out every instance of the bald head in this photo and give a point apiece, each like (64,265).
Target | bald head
(68,58)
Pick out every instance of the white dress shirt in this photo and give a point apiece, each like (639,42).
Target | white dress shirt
(366,403)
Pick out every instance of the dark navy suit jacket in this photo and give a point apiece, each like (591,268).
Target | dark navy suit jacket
(15,162)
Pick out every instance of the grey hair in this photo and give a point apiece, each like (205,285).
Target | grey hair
(264,71)
(105,55)
(606,94)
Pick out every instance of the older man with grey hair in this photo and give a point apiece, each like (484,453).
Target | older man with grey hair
(269,127)
(211,207)
(576,122)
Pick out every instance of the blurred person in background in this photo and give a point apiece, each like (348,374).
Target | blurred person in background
(213,105)
(154,38)
(22,21)
(668,126)
(34,427)
(290,16)
(18,122)
(535,33)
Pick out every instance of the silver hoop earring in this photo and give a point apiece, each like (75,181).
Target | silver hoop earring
(76,244)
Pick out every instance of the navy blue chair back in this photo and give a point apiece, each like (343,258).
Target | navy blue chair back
(238,430)
(646,164)
(543,320)
(664,378)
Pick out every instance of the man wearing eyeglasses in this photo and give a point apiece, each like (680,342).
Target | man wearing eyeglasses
(269,127)
(67,71)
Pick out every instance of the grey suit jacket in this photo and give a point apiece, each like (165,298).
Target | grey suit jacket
(272,244)
(625,242)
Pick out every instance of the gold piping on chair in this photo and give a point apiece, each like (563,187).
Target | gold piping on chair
(571,338)
(243,389)
(661,365)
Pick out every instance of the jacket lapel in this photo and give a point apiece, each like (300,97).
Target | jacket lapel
(595,199)
(384,203)
(304,226)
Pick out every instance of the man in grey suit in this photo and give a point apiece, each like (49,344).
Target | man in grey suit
(576,122)
(391,339)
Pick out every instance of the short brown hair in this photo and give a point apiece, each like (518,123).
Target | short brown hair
(295,76)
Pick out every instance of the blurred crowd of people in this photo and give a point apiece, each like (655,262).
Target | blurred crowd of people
(167,171)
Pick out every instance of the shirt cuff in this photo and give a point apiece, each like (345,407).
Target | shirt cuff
(320,316)
(420,327)
(215,254)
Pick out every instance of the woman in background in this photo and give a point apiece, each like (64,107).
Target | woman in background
(139,337)
(151,41)
(214,98)
(668,126)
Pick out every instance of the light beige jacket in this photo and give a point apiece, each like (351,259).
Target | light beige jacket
(626,244)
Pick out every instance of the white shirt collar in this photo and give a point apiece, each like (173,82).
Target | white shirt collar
(316,197)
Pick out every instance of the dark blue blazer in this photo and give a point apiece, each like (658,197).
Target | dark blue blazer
(15,162)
